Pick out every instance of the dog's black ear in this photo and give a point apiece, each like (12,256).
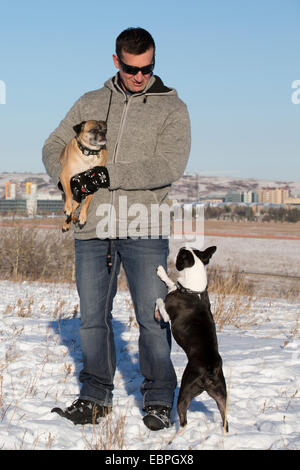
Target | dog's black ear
(184,259)
(179,264)
(207,254)
(78,127)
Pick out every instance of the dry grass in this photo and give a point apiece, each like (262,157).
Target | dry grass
(290,292)
(33,254)
(21,308)
(109,434)
(294,332)
(232,298)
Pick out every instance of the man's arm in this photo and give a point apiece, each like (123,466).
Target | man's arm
(58,139)
(165,166)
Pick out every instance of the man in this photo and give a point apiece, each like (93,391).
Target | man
(148,143)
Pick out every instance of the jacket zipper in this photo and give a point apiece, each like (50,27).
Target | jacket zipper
(121,127)
(123,118)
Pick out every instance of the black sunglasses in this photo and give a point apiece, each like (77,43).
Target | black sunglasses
(131,70)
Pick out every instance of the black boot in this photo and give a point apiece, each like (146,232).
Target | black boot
(157,417)
(83,412)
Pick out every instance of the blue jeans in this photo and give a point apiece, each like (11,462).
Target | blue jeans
(97,288)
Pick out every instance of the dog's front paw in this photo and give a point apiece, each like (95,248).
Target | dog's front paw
(160,271)
(160,311)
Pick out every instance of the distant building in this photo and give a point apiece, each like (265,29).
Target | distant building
(29,202)
(292,202)
(13,206)
(249,196)
(273,195)
(10,190)
(31,188)
(46,206)
(233,197)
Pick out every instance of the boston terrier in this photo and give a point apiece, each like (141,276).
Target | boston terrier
(187,305)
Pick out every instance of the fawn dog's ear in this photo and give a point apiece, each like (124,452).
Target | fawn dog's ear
(78,128)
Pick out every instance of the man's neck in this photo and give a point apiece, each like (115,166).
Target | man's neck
(128,92)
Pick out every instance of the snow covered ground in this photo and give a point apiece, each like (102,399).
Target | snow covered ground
(40,360)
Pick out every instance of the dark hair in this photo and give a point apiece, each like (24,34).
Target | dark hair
(134,41)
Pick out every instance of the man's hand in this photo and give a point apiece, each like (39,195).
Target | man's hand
(88,182)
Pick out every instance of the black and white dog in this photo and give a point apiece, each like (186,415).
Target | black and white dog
(187,306)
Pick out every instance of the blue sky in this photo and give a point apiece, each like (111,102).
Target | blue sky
(232,61)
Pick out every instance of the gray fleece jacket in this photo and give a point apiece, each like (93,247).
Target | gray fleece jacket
(148,144)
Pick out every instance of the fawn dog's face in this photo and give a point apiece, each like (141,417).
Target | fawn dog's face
(91,133)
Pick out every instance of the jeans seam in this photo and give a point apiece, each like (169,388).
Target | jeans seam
(105,316)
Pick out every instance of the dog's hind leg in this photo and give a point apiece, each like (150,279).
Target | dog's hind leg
(83,212)
(191,387)
(74,207)
(217,390)
(65,182)
(70,218)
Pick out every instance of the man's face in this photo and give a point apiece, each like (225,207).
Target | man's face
(134,83)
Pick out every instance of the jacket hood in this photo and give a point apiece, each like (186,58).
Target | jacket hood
(155,86)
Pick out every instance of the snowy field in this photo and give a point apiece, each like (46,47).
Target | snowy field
(40,361)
